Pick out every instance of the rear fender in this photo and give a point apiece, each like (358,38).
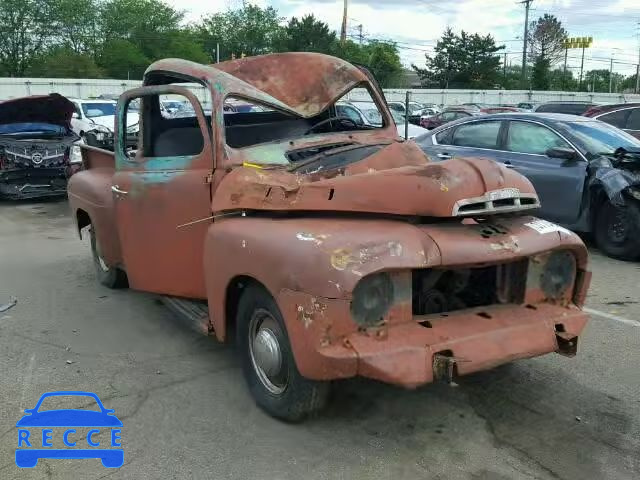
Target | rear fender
(90,192)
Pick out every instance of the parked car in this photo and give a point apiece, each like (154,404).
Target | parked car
(586,172)
(303,233)
(572,108)
(625,116)
(416,110)
(366,113)
(527,106)
(500,109)
(37,153)
(447,116)
(93,121)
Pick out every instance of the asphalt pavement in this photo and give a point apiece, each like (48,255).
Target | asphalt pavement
(187,414)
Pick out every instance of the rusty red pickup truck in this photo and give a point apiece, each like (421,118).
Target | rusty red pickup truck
(324,248)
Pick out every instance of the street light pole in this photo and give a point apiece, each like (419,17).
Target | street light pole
(611,74)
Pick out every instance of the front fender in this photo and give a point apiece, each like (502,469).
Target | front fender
(320,257)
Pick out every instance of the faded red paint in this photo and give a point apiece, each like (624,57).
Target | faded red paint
(224,217)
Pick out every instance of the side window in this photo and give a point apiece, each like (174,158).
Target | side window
(525,137)
(163,134)
(444,137)
(477,134)
(633,122)
(397,107)
(617,119)
(448,116)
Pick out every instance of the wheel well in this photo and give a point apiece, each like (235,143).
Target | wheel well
(83,220)
(232,298)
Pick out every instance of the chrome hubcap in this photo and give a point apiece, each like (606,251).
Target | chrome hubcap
(266,353)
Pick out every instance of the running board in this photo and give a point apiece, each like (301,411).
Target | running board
(193,313)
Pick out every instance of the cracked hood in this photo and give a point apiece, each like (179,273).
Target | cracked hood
(398,180)
(53,109)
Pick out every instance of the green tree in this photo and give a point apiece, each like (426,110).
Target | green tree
(463,61)
(250,30)
(122,59)
(540,74)
(77,25)
(546,49)
(64,62)
(628,84)
(598,80)
(147,24)
(384,62)
(306,35)
(185,44)
(25,28)
(559,80)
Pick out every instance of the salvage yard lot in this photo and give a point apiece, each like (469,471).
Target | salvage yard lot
(187,414)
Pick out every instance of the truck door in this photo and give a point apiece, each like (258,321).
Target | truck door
(160,189)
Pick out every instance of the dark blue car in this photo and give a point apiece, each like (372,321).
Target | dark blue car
(29,452)
(586,172)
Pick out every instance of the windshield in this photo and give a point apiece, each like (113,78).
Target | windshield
(98,109)
(397,117)
(601,138)
(372,115)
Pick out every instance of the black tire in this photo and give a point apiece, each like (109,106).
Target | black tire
(299,397)
(617,230)
(111,277)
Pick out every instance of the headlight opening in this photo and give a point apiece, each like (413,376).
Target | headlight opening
(558,275)
(372,298)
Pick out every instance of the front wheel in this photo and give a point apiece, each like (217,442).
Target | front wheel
(111,277)
(267,360)
(617,231)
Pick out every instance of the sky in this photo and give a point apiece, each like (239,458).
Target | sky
(416,25)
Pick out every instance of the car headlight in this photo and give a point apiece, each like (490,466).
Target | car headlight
(634,192)
(558,275)
(372,298)
(75,155)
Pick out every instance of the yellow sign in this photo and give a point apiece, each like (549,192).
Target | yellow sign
(577,42)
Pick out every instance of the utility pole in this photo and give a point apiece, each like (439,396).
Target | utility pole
(504,70)
(360,34)
(581,68)
(217,53)
(527,3)
(564,72)
(343,31)
(611,74)
(637,89)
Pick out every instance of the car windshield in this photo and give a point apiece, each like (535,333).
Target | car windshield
(397,117)
(601,138)
(372,115)
(98,109)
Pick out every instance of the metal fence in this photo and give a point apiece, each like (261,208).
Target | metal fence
(86,88)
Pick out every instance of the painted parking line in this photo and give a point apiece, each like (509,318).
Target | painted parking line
(611,316)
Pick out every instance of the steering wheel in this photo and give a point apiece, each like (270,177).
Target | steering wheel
(331,119)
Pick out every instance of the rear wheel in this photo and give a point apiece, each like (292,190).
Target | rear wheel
(617,231)
(268,363)
(111,277)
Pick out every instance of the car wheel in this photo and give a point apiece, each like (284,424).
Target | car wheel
(268,363)
(617,231)
(111,277)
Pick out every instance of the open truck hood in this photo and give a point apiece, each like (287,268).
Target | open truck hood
(320,80)
(397,180)
(53,109)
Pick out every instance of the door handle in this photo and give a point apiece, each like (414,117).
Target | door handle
(115,189)
(443,156)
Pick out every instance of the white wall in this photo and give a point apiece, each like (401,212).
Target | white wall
(83,88)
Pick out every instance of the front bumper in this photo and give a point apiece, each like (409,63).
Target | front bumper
(416,353)
(22,184)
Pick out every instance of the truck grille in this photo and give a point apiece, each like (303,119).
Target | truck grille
(496,201)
